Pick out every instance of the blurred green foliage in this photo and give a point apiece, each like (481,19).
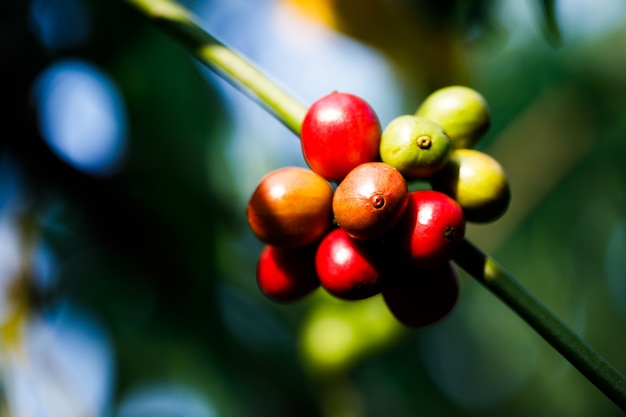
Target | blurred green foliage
(167,264)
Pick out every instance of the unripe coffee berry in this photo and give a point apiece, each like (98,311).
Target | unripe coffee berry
(461,111)
(477,182)
(287,274)
(290,207)
(370,200)
(340,131)
(347,268)
(416,146)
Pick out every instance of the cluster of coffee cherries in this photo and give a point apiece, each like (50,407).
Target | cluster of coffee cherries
(379,211)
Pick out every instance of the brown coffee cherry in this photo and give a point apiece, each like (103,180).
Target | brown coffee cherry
(291,207)
(370,200)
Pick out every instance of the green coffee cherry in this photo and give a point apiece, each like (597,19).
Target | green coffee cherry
(477,182)
(461,111)
(415,146)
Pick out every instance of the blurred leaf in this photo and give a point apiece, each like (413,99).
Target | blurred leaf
(550,23)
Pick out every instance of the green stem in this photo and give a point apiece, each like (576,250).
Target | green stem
(177,21)
(593,366)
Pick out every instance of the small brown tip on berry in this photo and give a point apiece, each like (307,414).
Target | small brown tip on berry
(423,142)
(378,201)
(449,233)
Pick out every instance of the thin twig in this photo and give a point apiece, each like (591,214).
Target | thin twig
(584,358)
(232,67)
(178,22)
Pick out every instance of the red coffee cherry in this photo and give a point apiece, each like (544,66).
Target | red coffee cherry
(370,200)
(430,230)
(291,207)
(347,268)
(421,297)
(339,132)
(287,274)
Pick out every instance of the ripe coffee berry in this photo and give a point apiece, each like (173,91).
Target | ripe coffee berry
(421,296)
(370,200)
(430,230)
(348,268)
(291,207)
(287,274)
(339,132)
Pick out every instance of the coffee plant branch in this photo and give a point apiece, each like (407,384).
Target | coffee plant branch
(582,356)
(178,22)
(232,67)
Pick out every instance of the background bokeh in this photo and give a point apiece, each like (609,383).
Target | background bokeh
(126,265)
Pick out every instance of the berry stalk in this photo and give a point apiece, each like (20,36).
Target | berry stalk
(232,67)
(573,348)
(178,22)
